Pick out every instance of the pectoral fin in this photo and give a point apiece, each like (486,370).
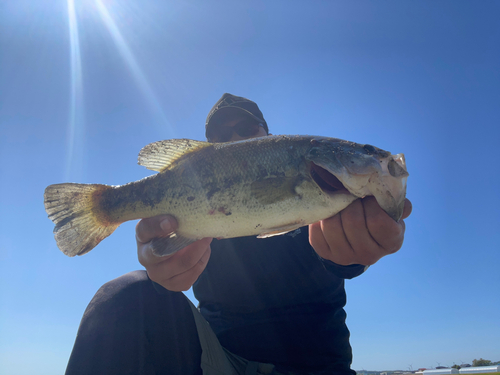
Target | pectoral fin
(281,230)
(274,189)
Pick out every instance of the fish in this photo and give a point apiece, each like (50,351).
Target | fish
(261,186)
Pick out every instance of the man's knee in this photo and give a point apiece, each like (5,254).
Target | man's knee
(133,296)
(123,289)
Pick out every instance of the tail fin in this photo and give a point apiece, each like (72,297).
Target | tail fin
(80,223)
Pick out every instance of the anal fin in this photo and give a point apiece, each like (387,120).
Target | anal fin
(164,246)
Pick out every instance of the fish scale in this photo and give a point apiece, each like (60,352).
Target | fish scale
(262,186)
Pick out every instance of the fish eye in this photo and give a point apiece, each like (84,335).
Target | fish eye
(370,149)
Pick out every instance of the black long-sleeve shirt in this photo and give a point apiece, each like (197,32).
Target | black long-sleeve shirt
(275,300)
(268,300)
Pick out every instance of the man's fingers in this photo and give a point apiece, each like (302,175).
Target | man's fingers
(177,272)
(154,227)
(386,232)
(185,280)
(367,250)
(408,208)
(175,264)
(327,237)
(354,225)
(317,239)
(188,257)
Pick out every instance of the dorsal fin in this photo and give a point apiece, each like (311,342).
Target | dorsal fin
(159,155)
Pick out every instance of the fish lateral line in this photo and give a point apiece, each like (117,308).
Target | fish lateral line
(257,186)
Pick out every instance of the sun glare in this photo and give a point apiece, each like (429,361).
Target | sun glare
(134,67)
(75,137)
(108,14)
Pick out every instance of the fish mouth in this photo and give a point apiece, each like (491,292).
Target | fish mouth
(326,181)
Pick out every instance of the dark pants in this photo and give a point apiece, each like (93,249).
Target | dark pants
(131,328)
(124,331)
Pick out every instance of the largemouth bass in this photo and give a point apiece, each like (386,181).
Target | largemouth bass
(261,186)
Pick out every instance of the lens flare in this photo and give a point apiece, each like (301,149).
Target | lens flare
(134,67)
(75,137)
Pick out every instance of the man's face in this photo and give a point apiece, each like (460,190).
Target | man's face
(239,127)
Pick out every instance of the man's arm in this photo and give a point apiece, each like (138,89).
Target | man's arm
(360,234)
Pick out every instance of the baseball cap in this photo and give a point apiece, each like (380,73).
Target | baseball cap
(227,106)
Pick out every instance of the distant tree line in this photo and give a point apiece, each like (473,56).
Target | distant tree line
(477,363)
(483,362)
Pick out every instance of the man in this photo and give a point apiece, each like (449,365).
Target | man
(274,306)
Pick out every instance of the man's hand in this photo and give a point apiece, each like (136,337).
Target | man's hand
(176,272)
(360,234)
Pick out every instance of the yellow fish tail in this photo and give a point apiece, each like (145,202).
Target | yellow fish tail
(80,222)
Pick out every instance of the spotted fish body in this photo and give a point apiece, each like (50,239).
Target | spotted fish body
(262,186)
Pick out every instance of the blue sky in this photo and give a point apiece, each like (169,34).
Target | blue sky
(83,88)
